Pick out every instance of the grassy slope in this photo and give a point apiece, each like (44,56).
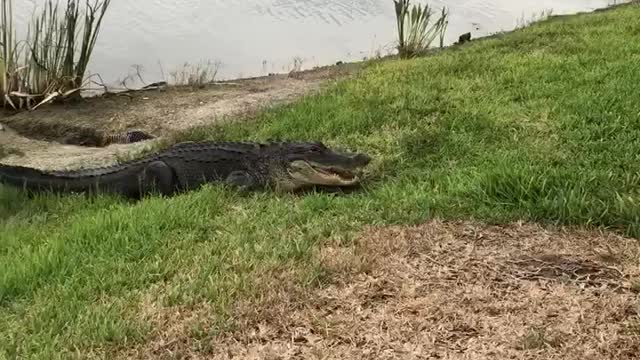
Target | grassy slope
(542,124)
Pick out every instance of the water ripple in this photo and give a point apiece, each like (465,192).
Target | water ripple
(242,34)
(328,11)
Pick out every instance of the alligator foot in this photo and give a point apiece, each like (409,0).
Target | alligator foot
(158,178)
(241,181)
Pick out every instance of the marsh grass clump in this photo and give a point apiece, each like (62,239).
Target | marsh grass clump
(523,22)
(52,61)
(414,33)
(196,75)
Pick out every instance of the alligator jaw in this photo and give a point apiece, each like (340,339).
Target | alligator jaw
(307,173)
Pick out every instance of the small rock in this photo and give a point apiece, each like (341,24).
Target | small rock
(1,127)
(464,38)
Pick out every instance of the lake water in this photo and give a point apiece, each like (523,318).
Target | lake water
(257,37)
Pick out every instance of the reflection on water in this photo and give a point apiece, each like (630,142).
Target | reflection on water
(256,37)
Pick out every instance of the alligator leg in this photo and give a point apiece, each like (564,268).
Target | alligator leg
(157,177)
(241,180)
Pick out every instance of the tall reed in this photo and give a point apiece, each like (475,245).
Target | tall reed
(51,63)
(414,33)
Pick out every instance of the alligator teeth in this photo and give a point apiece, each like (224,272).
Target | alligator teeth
(341,175)
(338,173)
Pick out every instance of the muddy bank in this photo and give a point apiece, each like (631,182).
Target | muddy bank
(48,137)
(19,150)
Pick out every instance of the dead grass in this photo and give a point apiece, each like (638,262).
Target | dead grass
(437,291)
(6,151)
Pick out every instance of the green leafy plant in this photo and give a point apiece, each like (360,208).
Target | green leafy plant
(414,33)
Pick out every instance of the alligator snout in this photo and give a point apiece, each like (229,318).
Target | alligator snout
(362,159)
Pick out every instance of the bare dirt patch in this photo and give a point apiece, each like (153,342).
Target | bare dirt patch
(436,291)
(47,136)
(48,155)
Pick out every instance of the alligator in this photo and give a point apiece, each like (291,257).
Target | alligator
(128,137)
(278,165)
(92,138)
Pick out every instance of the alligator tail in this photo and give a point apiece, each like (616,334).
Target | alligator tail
(30,179)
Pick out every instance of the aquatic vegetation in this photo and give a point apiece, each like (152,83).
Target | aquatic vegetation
(414,33)
(52,61)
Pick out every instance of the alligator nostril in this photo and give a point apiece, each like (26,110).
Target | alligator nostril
(362,158)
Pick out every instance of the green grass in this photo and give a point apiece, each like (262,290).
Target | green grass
(541,124)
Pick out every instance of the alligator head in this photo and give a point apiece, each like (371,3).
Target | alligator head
(314,164)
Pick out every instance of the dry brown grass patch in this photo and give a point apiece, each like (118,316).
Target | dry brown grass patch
(448,291)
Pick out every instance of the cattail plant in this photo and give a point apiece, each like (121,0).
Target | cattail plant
(51,63)
(414,33)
